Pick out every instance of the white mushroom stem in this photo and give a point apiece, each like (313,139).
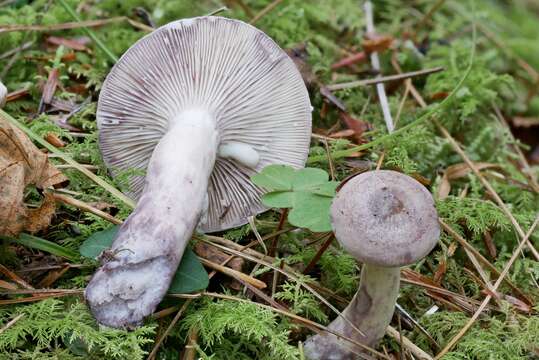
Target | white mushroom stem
(370,311)
(150,243)
(3,95)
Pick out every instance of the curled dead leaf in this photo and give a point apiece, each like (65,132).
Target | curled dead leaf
(377,43)
(458,171)
(23,164)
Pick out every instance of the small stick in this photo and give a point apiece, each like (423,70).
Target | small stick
(234,273)
(169,328)
(414,349)
(264,11)
(318,254)
(375,60)
(10,274)
(85,207)
(383,79)
(11,323)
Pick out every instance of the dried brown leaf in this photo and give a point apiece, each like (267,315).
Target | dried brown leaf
(23,164)
(458,171)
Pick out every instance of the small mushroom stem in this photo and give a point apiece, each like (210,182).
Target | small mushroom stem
(370,311)
(150,243)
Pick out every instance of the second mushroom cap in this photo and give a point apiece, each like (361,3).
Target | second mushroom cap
(385,218)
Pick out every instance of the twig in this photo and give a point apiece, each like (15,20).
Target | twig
(375,61)
(485,302)
(318,254)
(11,323)
(85,207)
(448,229)
(238,275)
(487,185)
(63,26)
(169,328)
(265,11)
(414,349)
(528,172)
(10,274)
(383,79)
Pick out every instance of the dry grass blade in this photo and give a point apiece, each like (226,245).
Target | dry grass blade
(167,331)
(485,302)
(383,79)
(487,186)
(64,26)
(482,259)
(85,207)
(10,323)
(234,273)
(265,11)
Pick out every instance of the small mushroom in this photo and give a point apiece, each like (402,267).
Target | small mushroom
(3,95)
(199,104)
(385,220)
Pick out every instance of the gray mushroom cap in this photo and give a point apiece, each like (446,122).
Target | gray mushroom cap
(385,218)
(249,85)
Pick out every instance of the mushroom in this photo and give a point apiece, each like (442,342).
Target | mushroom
(3,95)
(385,220)
(200,104)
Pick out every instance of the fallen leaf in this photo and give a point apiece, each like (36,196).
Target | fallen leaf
(23,164)
(350,60)
(54,140)
(357,126)
(457,171)
(68,43)
(377,43)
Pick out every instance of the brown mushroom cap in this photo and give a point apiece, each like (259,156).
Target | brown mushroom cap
(248,84)
(385,218)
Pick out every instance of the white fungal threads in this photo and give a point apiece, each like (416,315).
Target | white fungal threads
(240,152)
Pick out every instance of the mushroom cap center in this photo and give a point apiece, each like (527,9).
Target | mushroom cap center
(385,218)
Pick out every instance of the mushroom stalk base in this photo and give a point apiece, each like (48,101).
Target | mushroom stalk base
(370,311)
(137,271)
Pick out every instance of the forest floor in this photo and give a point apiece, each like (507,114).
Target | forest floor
(467,127)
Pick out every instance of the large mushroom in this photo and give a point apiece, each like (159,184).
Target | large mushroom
(385,220)
(199,104)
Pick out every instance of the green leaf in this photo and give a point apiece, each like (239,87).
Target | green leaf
(35,242)
(190,275)
(311,212)
(97,242)
(275,177)
(307,192)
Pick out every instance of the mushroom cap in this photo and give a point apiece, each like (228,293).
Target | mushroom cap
(242,77)
(385,218)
